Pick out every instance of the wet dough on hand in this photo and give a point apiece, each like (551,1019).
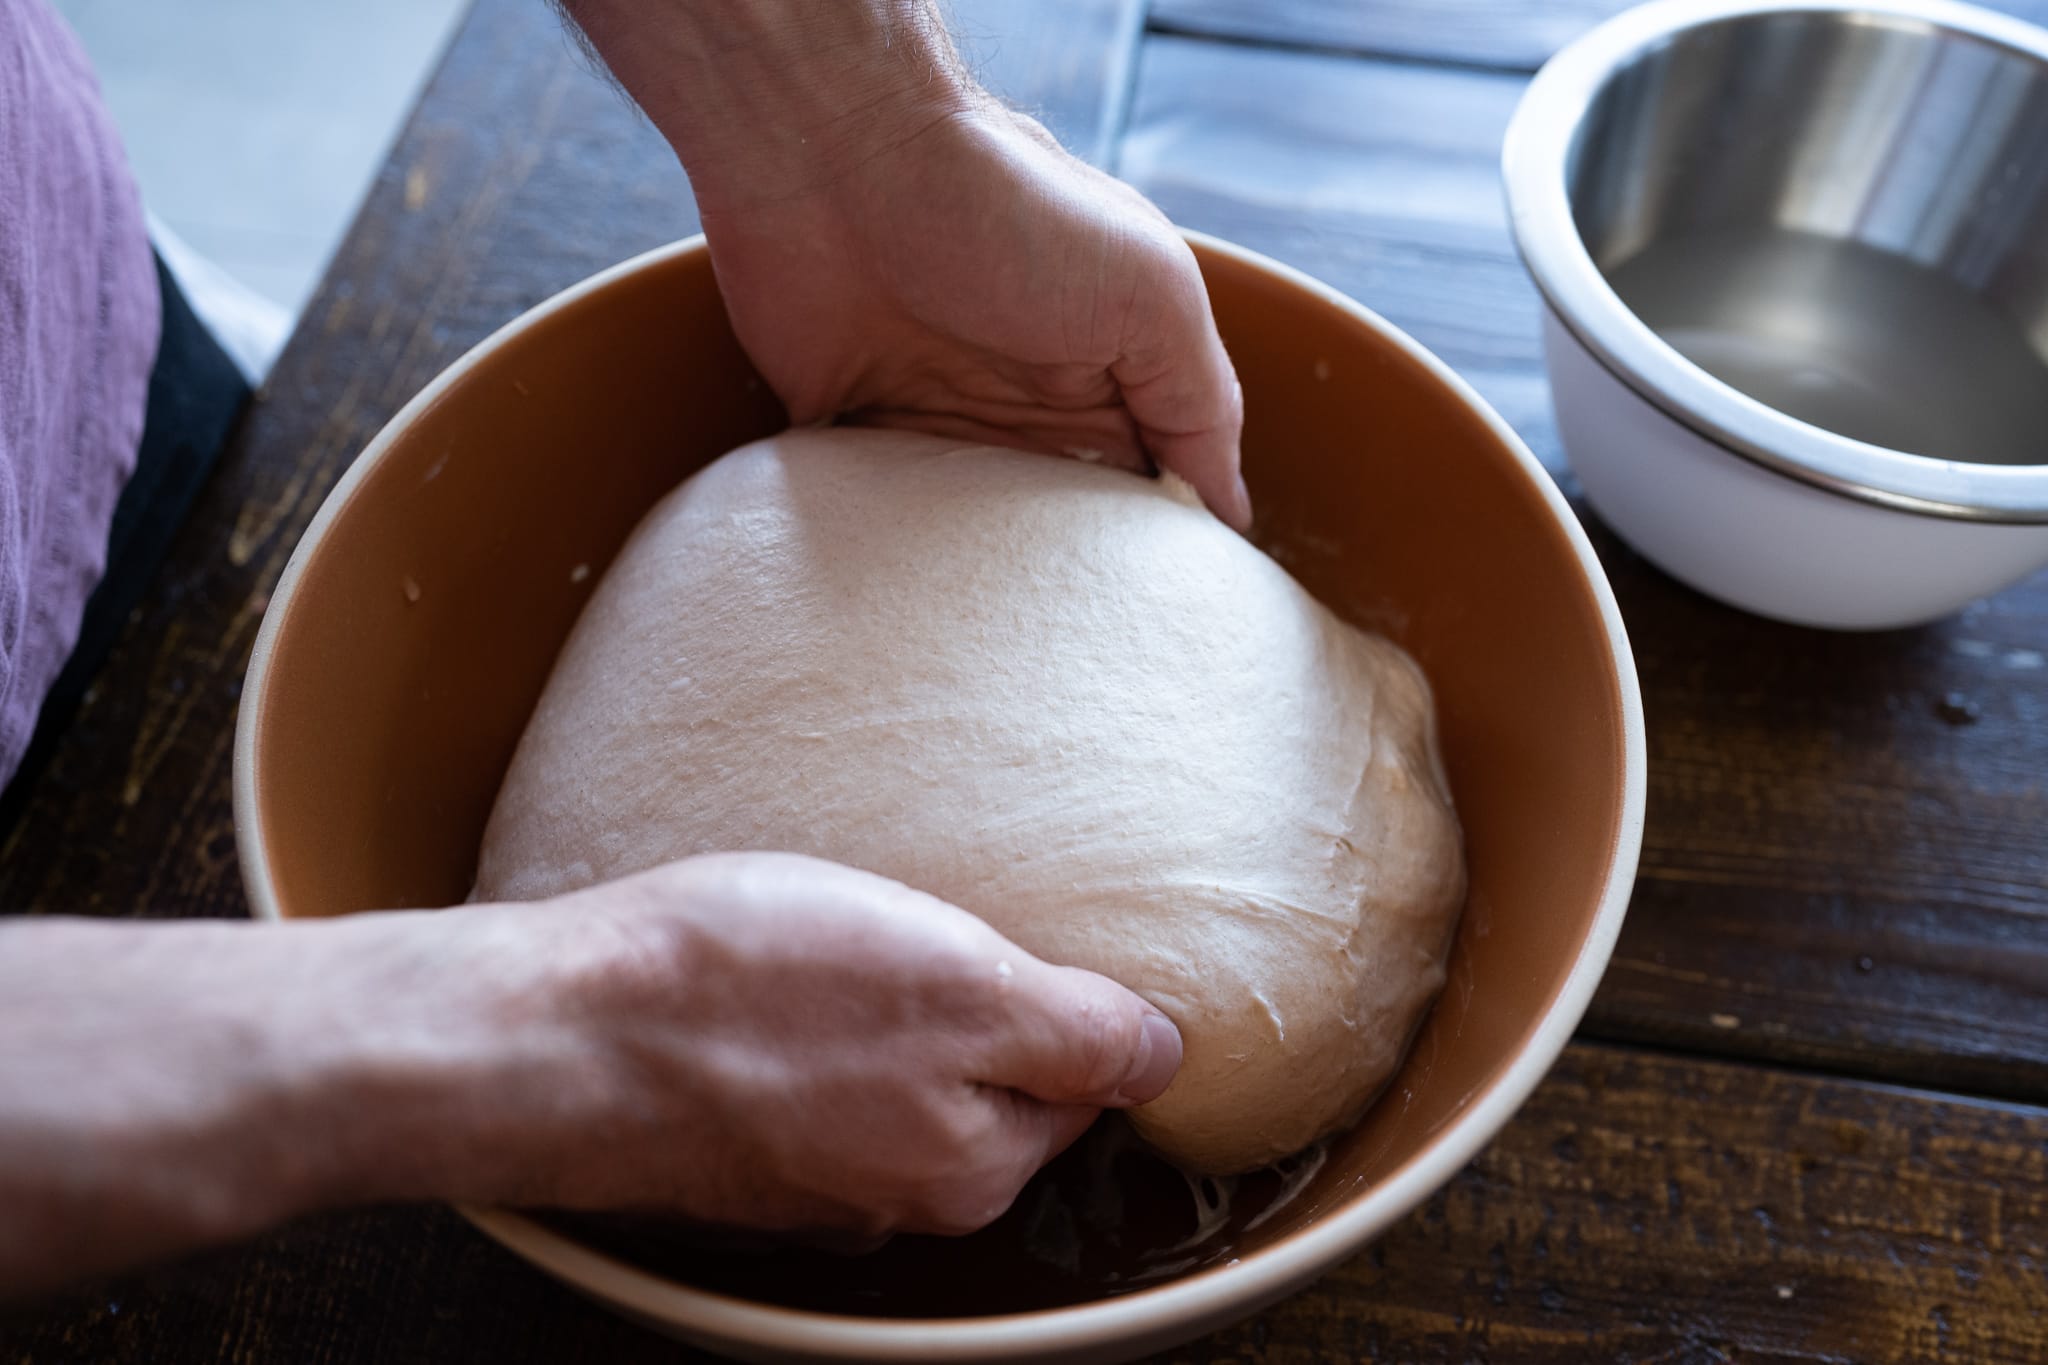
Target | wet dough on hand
(1061,696)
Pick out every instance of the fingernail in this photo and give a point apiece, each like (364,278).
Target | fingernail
(1158,1058)
(1244,505)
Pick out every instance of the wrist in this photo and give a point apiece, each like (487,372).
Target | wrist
(171,1086)
(772,99)
(167,1086)
(495,1048)
(434,1058)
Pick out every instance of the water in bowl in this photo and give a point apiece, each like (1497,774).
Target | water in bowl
(1864,343)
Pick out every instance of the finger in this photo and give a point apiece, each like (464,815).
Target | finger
(1065,1123)
(1103,437)
(1070,1037)
(1040,1131)
(1045,1130)
(1026,1135)
(1180,387)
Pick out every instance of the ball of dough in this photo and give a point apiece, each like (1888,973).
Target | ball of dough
(1061,696)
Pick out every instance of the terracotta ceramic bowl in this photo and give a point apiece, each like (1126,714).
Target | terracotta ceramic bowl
(416,623)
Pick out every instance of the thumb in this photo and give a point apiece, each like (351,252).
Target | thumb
(1071,1037)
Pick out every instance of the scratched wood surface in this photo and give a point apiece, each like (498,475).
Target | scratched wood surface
(1845,867)
(1846,859)
(1640,1208)
(1510,34)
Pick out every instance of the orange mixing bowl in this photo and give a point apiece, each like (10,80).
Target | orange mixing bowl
(415,625)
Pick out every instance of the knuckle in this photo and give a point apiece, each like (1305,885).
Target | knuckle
(956,1215)
(974,1199)
(1105,1040)
(1173,250)
(1231,416)
(973,1165)
(963,1134)
(1036,131)
(1149,243)
(958,975)
(959,987)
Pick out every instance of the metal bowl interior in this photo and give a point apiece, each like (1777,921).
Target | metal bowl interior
(417,621)
(1817,233)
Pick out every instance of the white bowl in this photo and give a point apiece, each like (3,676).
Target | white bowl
(1840,197)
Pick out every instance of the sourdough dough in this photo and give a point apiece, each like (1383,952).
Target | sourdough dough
(1061,696)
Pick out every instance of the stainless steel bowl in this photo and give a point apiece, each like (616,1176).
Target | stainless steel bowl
(1814,239)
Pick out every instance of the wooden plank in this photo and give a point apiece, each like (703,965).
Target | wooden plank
(1382,178)
(1847,855)
(1500,33)
(1638,1209)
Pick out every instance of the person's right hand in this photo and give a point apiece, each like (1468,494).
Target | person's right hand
(775,1042)
(898,249)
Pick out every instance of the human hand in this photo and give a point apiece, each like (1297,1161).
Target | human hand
(775,1042)
(973,279)
(896,248)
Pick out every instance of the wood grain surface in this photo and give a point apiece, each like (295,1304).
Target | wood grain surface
(1846,859)
(1639,1209)
(1846,865)
(1500,33)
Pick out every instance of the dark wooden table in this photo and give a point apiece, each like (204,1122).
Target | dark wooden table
(1805,1118)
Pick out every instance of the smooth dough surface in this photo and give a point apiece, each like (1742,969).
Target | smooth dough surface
(1063,697)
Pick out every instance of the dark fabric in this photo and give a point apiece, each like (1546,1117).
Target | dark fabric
(196,396)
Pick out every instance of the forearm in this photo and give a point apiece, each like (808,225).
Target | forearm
(165,1087)
(757,96)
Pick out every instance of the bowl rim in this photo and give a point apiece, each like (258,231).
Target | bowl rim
(1535,156)
(1208,1297)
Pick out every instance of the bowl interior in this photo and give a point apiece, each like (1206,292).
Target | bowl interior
(418,625)
(1842,214)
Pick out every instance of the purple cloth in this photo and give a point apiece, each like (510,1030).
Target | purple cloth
(78,332)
